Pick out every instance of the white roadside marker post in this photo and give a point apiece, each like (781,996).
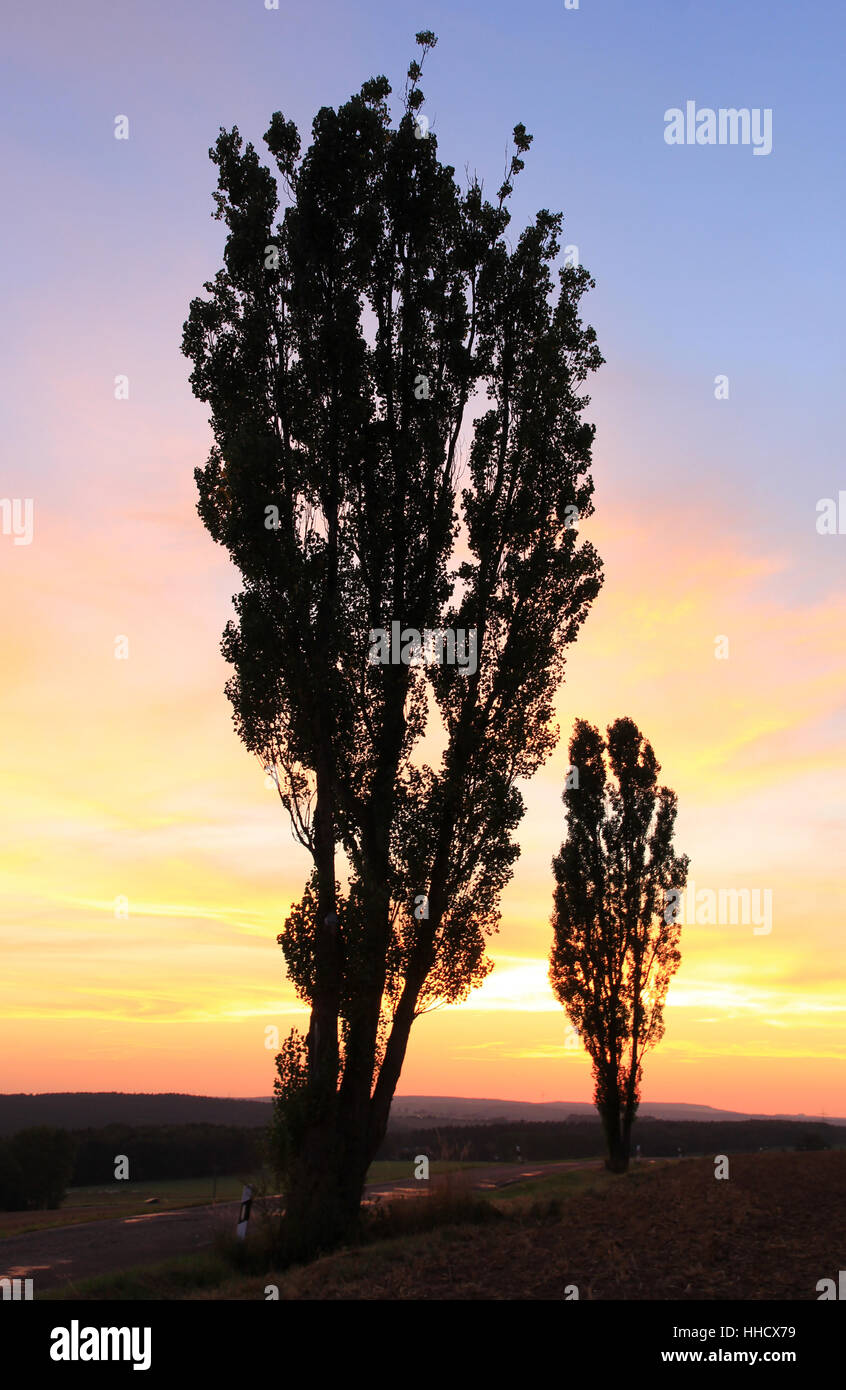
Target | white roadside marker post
(244,1214)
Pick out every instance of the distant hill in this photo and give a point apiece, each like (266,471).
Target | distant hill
(95,1109)
(407,1110)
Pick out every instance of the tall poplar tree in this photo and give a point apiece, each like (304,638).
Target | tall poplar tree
(344,351)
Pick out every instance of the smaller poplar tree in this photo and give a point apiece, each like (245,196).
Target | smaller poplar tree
(616,941)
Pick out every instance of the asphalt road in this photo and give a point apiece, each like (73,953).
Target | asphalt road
(481,1179)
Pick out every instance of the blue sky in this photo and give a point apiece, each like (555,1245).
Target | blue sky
(707,260)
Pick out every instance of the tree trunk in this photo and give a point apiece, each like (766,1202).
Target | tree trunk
(616,1137)
(618,1154)
(324,1191)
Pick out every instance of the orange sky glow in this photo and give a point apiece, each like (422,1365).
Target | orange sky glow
(124,780)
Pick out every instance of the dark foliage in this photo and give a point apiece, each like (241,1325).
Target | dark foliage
(616,946)
(584,1138)
(342,351)
(165,1151)
(36,1166)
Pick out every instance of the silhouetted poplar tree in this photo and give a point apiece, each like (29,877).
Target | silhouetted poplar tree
(614,951)
(343,352)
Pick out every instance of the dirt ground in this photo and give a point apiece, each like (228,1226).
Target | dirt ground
(772,1230)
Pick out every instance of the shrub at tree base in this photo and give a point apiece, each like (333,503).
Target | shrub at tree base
(35,1168)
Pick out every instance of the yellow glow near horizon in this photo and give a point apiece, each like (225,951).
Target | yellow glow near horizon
(143,792)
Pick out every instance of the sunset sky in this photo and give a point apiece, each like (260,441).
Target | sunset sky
(124,778)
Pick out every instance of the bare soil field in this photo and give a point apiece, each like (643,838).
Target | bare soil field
(771,1230)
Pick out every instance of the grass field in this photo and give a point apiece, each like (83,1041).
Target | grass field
(120,1199)
(107,1201)
(554,1185)
(394,1170)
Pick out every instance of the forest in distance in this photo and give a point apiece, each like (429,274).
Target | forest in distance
(86,1156)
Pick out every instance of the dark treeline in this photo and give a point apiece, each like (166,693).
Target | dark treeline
(164,1151)
(499,1142)
(38,1164)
